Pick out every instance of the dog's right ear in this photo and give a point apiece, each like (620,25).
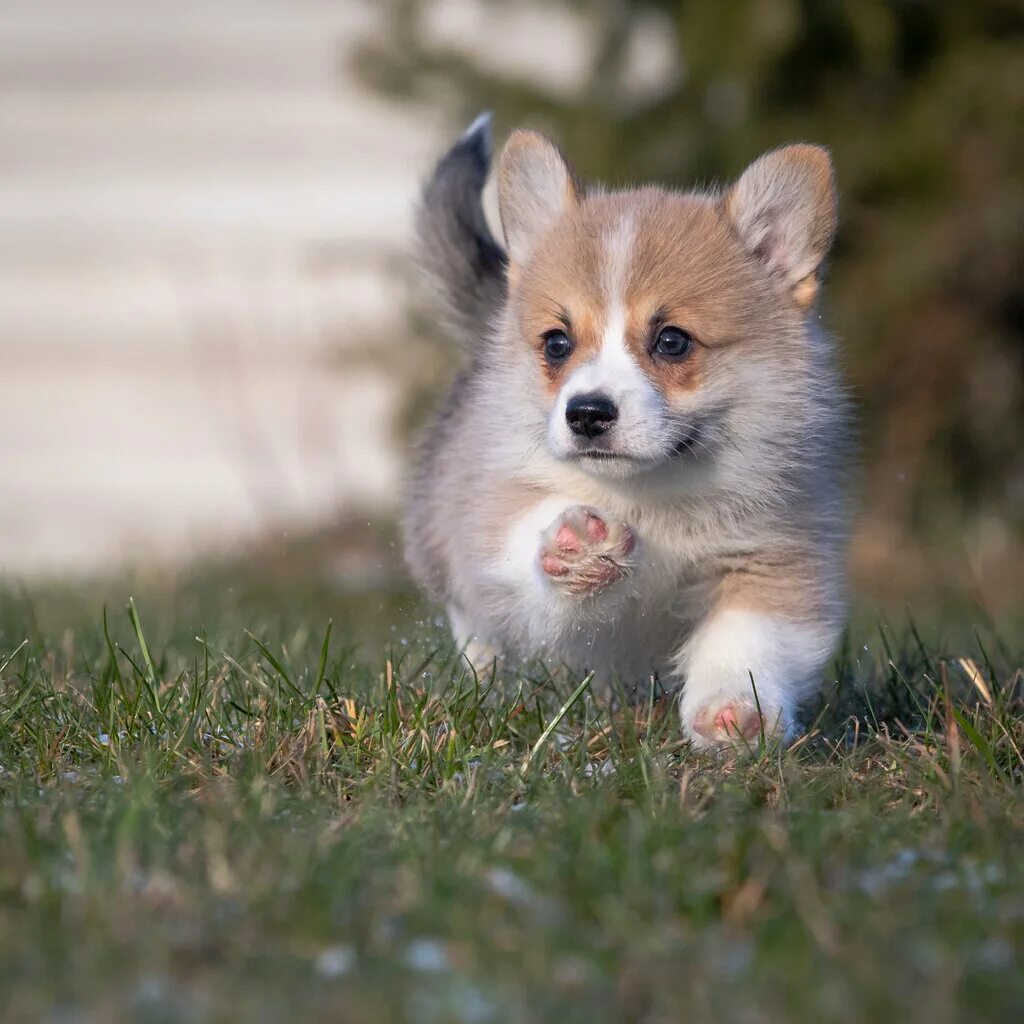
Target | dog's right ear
(535,187)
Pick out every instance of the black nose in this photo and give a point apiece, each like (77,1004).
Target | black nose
(590,415)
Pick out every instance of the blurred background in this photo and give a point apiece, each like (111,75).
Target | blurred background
(212,348)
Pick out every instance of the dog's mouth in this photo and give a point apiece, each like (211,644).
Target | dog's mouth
(687,445)
(606,456)
(603,457)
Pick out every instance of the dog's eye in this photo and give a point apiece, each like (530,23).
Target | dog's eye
(673,342)
(557,346)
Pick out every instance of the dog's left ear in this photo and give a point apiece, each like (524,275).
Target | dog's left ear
(784,209)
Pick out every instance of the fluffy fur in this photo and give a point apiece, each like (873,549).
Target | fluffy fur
(699,537)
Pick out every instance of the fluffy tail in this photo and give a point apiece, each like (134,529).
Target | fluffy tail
(464,263)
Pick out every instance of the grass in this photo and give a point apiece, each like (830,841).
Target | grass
(255,820)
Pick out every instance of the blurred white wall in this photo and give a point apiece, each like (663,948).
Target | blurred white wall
(203,224)
(197,207)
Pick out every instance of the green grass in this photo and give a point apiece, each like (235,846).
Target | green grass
(254,820)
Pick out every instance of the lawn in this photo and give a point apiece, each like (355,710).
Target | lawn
(209,811)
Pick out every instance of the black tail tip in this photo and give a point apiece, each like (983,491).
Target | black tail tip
(477,137)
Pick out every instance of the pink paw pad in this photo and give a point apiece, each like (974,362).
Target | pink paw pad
(566,539)
(732,722)
(585,553)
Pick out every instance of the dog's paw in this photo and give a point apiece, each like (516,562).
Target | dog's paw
(724,721)
(583,553)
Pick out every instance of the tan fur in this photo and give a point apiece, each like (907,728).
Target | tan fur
(786,582)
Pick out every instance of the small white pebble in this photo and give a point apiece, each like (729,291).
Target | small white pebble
(509,885)
(335,961)
(427,955)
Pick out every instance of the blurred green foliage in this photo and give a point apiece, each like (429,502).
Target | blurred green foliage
(922,104)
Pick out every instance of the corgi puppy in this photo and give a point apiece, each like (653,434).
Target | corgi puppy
(640,469)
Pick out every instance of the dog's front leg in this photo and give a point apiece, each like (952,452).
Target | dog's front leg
(558,564)
(561,553)
(745,671)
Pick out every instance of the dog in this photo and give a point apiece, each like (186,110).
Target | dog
(640,469)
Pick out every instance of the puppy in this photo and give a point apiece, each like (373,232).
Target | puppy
(640,470)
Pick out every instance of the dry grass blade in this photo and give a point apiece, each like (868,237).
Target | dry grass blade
(977,680)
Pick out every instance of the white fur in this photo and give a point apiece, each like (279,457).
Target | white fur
(736,650)
(520,564)
(522,559)
(474,645)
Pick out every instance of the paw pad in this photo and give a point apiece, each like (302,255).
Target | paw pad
(732,721)
(583,553)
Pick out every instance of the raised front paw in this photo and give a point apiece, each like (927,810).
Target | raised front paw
(583,553)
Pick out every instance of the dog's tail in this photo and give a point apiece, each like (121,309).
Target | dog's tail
(465,264)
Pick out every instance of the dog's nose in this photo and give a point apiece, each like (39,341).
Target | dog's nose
(590,415)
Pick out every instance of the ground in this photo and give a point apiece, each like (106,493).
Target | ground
(212,811)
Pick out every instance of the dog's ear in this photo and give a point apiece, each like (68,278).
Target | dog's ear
(535,187)
(784,209)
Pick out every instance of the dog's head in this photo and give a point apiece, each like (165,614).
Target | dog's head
(661,329)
